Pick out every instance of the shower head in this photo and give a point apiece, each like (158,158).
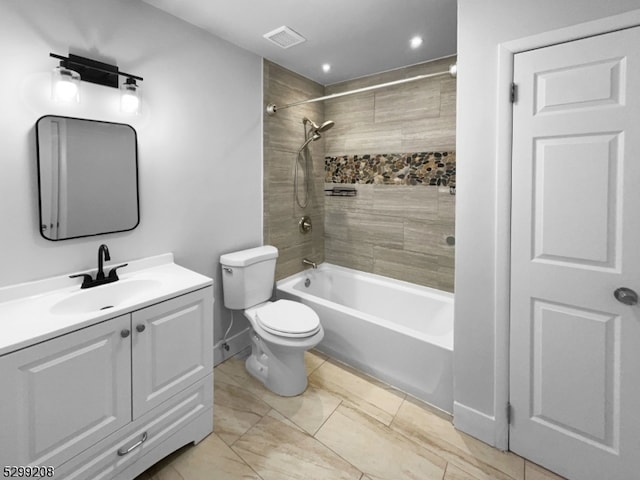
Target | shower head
(325,126)
(318,129)
(314,134)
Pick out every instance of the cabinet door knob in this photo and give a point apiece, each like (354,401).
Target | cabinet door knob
(140,327)
(124,333)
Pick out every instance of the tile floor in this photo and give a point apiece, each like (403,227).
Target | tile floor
(346,425)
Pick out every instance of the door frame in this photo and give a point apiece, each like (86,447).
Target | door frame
(504,129)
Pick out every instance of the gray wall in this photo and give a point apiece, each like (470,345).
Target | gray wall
(200,123)
(283,136)
(398,231)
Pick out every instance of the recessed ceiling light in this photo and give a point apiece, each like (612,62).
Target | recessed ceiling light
(326,67)
(416,42)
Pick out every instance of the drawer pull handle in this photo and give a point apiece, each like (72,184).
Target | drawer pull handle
(124,451)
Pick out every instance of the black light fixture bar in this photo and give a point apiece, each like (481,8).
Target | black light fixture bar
(94,71)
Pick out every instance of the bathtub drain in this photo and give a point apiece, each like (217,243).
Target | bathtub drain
(307,282)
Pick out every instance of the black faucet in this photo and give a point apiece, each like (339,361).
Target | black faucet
(101,278)
(103,253)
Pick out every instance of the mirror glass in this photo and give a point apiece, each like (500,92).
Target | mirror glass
(87,177)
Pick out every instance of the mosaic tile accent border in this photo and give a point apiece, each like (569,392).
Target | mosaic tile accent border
(423,168)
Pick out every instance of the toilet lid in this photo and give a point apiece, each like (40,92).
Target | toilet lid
(287,318)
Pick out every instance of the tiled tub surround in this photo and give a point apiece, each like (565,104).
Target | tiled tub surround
(424,168)
(393,227)
(399,231)
(346,425)
(283,136)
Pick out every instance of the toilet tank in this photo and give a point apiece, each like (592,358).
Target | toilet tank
(248,276)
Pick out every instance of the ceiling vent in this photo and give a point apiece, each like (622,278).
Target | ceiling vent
(284,37)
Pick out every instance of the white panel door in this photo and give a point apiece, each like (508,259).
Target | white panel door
(172,348)
(65,394)
(575,348)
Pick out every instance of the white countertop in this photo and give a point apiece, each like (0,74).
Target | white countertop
(26,315)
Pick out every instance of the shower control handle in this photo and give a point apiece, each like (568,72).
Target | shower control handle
(626,295)
(304,225)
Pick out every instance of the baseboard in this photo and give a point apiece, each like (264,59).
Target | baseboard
(236,343)
(475,423)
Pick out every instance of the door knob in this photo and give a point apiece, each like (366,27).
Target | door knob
(626,295)
(124,333)
(140,327)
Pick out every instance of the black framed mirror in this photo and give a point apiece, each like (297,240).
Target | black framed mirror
(87,177)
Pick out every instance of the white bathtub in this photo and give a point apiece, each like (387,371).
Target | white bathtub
(398,332)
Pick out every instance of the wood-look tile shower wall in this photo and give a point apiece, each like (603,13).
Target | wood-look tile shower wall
(283,136)
(399,231)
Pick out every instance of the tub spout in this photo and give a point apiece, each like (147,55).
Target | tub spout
(306,261)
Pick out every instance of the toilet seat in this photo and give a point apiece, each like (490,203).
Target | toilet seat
(286,318)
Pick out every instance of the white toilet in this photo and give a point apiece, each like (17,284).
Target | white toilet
(282,330)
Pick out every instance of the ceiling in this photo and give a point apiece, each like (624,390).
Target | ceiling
(356,37)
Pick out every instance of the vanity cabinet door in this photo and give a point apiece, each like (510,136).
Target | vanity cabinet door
(63,395)
(172,348)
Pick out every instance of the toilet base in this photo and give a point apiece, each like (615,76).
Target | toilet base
(280,369)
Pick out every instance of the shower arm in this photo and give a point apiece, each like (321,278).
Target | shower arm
(453,71)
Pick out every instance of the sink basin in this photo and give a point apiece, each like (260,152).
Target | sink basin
(104,297)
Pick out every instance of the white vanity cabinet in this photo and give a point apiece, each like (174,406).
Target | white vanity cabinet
(110,399)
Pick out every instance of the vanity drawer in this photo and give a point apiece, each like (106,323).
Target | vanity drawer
(104,460)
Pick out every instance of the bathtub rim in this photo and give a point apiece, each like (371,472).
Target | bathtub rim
(287,285)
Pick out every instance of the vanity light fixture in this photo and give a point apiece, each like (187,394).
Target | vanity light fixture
(66,80)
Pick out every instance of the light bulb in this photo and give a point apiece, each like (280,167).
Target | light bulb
(129,103)
(326,68)
(65,85)
(130,97)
